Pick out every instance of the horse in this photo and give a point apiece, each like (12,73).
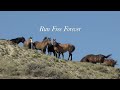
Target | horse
(45,38)
(42,45)
(62,48)
(95,58)
(51,50)
(18,40)
(28,43)
(110,62)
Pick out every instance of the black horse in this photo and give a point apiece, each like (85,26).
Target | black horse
(51,50)
(50,47)
(18,40)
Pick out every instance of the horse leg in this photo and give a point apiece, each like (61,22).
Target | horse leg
(59,55)
(69,56)
(44,51)
(56,54)
(33,47)
(50,53)
(30,45)
(63,55)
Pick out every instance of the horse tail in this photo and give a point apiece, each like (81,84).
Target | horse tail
(108,56)
(73,48)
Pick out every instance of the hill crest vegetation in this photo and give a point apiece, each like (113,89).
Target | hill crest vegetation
(20,63)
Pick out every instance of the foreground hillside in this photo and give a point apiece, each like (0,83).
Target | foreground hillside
(20,63)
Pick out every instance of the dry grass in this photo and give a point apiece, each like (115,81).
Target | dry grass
(20,63)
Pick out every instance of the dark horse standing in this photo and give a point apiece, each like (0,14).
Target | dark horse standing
(95,58)
(62,48)
(51,50)
(18,40)
(50,47)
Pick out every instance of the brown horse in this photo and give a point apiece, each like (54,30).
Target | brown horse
(62,48)
(110,62)
(42,45)
(94,58)
(28,43)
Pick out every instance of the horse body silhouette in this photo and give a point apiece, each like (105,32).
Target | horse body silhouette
(58,48)
(42,45)
(95,58)
(110,62)
(62,48)
(18,40)
(29,43)
(51,50)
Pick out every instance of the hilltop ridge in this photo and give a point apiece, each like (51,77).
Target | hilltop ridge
(20,63)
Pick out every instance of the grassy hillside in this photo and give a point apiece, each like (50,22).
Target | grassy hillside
(20,63)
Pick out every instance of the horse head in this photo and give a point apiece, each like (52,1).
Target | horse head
(48,41)
(30,38)
(55,43)
(45,38)
(115,62)
(22,39)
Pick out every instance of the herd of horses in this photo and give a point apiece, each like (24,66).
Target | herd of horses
(52,46)
(99,59)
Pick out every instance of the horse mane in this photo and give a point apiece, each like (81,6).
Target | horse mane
(57,44)
(45,38)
